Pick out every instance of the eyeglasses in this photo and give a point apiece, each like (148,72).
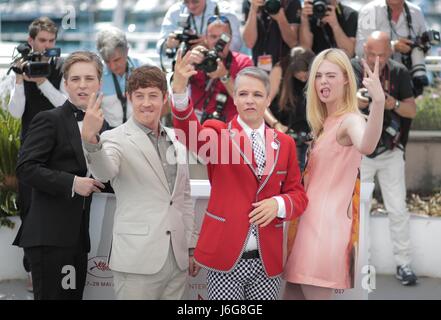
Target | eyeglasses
(214,18)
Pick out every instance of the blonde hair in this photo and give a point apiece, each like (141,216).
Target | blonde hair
(316,111)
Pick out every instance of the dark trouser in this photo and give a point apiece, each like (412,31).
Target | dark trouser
(50,281)
(24,202)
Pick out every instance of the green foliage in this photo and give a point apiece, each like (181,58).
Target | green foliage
(428,110)
(9,146)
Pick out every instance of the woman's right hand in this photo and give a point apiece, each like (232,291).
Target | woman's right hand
(372,83)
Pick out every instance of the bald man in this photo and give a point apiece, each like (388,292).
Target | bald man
(387,161)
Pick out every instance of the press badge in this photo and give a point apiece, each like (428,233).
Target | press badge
(265,62)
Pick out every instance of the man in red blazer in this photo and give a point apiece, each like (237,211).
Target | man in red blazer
(255,187)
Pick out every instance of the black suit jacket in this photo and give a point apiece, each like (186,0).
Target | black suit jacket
(49,159)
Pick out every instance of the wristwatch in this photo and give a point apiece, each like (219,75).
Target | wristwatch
(225,78)
(397,104)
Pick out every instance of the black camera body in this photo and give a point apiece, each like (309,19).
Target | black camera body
(209,64)
(390,135)
(319,8)
(33,66)
(300,137)
(272,6)
(426,40)
(221,99)
(184,34)
(415,60)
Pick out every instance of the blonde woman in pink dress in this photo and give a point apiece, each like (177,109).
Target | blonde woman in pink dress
(323,253)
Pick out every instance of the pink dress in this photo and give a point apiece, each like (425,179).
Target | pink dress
(326,236)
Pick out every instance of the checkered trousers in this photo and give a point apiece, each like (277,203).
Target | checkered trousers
(247,281)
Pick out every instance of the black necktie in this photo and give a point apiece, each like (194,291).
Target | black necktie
(79,114)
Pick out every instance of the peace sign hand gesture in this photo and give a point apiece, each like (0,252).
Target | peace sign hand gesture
(372,83)
(93,119)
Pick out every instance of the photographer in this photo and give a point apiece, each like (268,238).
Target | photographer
(34,94)
(287,112)
(404,22)
(271,29)
(387,161)
(328,24)
(113,47)
(212,87)
(195,14)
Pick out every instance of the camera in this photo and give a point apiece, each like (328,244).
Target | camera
(33,66)
(391,134)
(272,6)
(209,64)
(184,34)
(364,93)
(221,99)
(415,61)
(300,137)
(319,8)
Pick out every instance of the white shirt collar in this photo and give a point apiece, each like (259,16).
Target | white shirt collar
(248,130)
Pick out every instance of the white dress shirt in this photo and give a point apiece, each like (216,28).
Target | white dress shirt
(17,101)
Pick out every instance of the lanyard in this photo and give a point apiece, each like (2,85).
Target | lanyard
(122,97)
(408,21)
(202,21)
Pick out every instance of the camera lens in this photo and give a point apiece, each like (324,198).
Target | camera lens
(272,6)
(319,8)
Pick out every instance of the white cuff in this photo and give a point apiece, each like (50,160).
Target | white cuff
(281,213)
(73,186)
(180,100)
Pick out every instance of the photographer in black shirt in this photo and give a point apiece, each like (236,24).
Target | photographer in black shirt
(387,162)
(328,24)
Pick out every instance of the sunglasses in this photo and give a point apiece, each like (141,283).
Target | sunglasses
(214,18)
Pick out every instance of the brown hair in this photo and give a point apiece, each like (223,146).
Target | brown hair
(42,24)
(82,56)
(298,60)
(147,77)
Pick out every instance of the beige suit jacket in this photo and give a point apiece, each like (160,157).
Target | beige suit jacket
(147,214)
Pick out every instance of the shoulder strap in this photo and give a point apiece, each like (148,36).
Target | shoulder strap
(122,98)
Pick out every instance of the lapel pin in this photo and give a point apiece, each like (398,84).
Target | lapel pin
(274,145)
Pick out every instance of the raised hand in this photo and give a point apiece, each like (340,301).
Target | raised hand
(372,83)
(184,70)
(93,119)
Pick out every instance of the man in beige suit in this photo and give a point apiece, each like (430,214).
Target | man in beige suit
(153,232)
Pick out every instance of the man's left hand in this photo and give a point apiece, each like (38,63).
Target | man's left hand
(193,267)
(220,72)
(389,104)
(264,212)
(331,17)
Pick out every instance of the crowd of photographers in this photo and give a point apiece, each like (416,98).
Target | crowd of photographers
(283,37)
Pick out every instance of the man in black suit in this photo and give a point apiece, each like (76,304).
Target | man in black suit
(55,234)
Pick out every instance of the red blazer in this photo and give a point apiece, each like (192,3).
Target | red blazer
(235,186)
